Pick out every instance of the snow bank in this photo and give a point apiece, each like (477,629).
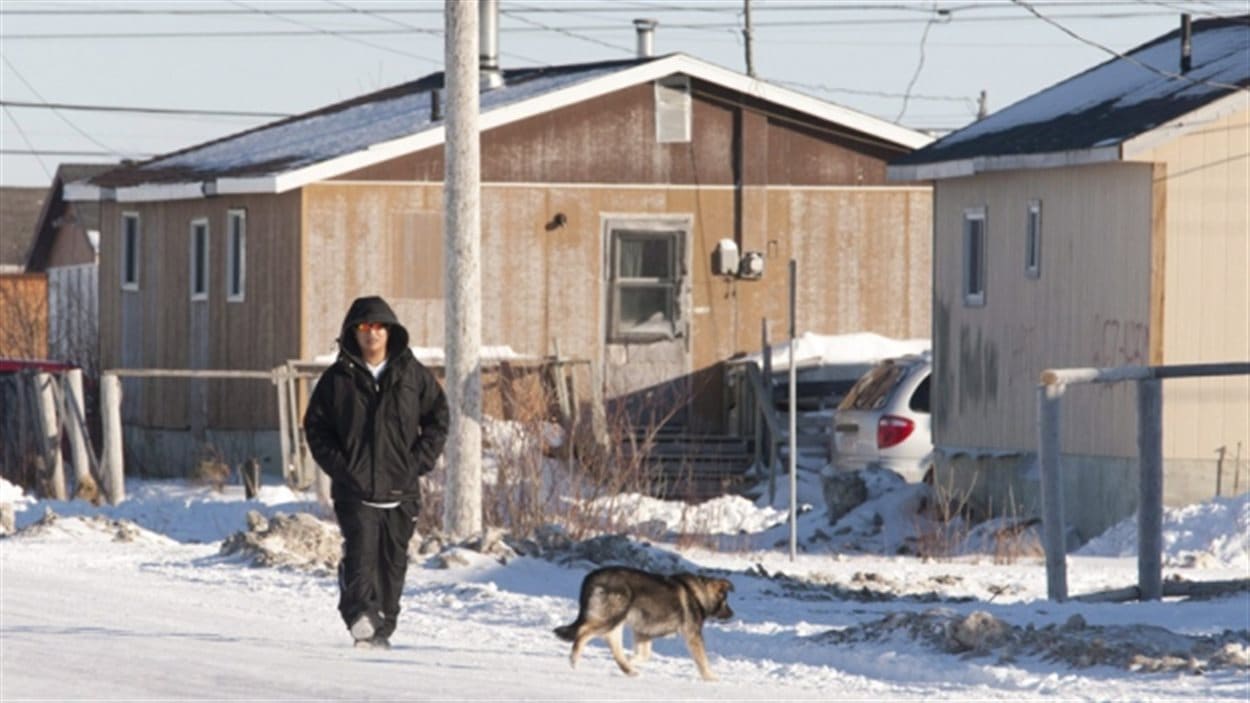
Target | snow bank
(1204,534)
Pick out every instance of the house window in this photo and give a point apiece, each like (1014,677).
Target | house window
(645,281)
(1033,240)
(974,256)
(672,109)
(236,254)
(130,251)
(199,259)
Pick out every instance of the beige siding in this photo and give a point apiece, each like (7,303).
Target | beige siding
(1089,307)
(1206,313)
(864,261)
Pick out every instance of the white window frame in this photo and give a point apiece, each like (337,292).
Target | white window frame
(130,251)
(236,255)
(975,241)
(675,232)
(198,260)
(1033,240)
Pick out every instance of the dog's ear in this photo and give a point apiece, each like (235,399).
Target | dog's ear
(727,585)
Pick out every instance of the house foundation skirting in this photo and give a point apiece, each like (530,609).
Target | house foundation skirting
(152,452)
(1098,491)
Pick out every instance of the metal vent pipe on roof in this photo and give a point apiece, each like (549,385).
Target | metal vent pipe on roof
(488,49)
(1187,43)
(646,37)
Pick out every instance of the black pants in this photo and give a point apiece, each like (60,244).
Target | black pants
(375,560)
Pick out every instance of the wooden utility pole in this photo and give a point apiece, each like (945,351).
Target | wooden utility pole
(462,507)
(747,37)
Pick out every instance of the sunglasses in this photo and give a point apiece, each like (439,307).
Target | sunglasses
(374,326)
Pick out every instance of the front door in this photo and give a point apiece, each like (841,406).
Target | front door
(647,330)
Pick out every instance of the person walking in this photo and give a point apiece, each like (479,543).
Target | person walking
(376,423)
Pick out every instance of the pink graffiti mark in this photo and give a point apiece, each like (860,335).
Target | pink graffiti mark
(1120,343)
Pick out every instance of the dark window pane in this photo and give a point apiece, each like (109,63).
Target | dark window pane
(976,255)
(236,261)
(131,253)
(201,244)
(645,257)
(920,398)
(645,310)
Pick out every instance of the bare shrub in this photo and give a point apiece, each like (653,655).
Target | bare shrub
(950,516)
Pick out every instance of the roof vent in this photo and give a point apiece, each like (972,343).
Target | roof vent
(1187,44)
(488,49)
(646,37)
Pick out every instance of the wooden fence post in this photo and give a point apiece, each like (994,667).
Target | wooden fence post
(280,381)
(113,471)
(84,483)
(1150,487)
(50,437)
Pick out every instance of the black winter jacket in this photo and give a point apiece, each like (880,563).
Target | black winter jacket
(376,438)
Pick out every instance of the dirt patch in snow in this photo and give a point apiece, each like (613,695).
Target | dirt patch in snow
(864,587)
(299,541)
(1140,648)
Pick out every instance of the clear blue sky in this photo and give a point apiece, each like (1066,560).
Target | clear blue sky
(289,56)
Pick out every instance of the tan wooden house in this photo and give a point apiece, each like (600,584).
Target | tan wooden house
(613,197)
(1101,222)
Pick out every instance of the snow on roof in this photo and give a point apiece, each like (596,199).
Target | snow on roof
(340,129)
(857,348)
(1106,105)
(372,128)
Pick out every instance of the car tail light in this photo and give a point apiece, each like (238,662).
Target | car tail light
(892,430)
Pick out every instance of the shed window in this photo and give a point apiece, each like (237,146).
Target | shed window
(672,109)
(974,256)
(1033,240)
(130,251)
(645,283)
(236,254)
(199,259)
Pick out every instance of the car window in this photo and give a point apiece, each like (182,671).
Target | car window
(873,390)
(920,398)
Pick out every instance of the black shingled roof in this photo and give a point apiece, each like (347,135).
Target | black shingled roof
(1112,102)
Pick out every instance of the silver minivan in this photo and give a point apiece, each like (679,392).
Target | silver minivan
(884,420)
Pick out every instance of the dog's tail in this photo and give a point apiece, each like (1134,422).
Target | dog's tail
(568,632)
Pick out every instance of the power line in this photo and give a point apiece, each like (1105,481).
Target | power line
(568,32)
(55,152)
(535,26)
(64,119)
(1125,57)
(341,35)
(142,110)
(26,139)
(728,6)
(871,93)
(924,36)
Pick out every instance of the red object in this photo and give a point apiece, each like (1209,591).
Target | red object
(892,430)
(15,365)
